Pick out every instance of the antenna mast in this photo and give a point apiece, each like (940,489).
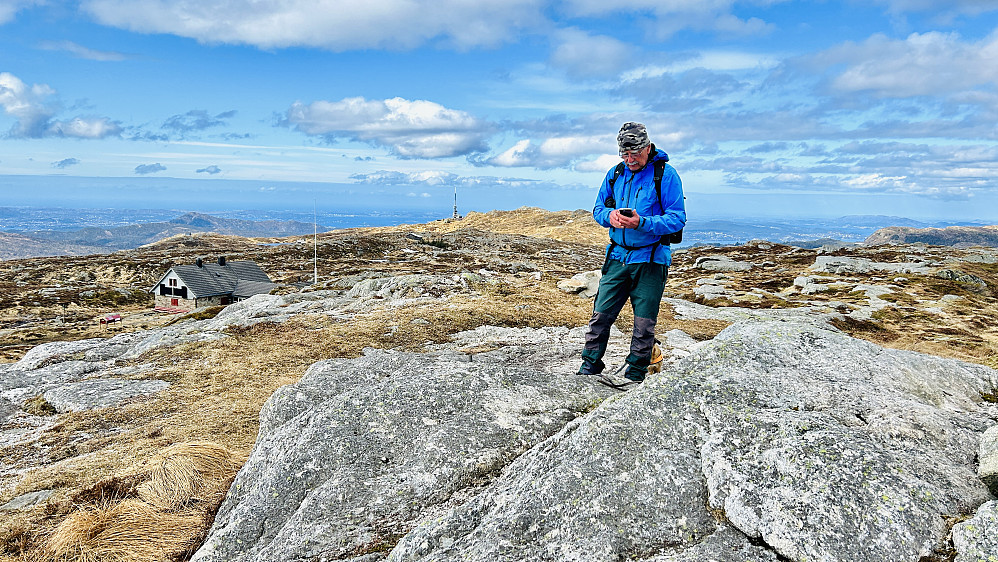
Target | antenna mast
(456,216)
(315,244)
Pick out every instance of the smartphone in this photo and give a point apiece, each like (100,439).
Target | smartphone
(627,212)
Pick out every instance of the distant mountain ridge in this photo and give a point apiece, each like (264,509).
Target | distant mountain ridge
(93,240)
(948,236)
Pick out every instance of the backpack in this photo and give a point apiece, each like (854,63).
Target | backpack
(667,239)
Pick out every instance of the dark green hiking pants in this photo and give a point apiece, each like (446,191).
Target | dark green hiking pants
(644,284)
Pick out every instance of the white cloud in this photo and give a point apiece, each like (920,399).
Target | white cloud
(601,164)
(553,152)
(439,179)
(717,61)
(26,104)
(922,64)
(410,129)
(34,114)
(582,54)
(9,8)
(386,177)
(879,182)
(666,18)
(520,154)
(948,8)
(82,52)
(332,24)
(84,128)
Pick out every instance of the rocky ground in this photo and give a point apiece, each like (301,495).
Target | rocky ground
(401,289)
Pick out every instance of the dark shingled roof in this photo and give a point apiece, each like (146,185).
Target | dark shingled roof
(212,279)
(245,289)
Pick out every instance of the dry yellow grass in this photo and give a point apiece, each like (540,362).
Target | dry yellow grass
(217,391)
(187,472)
(218,388)
(181,488)
(126,531)
(566,226)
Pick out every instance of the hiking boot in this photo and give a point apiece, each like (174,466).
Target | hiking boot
(618,382)
(591,368)
(635,374)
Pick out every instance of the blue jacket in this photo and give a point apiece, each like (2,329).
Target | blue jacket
(637,191)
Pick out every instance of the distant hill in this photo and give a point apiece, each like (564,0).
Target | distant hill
(879,220)
(104,240)
(16,246)
(948,236)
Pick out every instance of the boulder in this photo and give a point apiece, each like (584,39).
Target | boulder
(26,501)
(7,409)
(976,539)
(988,454)
(710,289)
(100,393)
(721,263)
(686,310)
(972,282)
(840,265)
(408,286)
(586,283)
(774,441)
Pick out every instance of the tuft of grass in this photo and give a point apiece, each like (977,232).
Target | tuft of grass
(159,512)
(110,490)
(38,406)
(206,313)
(865,329)
(185,472)
(18,537)
(131,530)
(436,244)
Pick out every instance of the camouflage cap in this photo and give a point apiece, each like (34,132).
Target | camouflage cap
(632,136)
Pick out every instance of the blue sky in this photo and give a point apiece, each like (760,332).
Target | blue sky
(766,107)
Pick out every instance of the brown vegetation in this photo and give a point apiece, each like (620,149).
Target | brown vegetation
(120,474)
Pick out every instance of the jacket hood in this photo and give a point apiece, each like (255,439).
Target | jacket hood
(657,154)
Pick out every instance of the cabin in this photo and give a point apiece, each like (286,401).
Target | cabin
(186,287)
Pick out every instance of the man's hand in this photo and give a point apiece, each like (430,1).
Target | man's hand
(618,220)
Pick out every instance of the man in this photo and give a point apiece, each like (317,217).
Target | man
(639,218)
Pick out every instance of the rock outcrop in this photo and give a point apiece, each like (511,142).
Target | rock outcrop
(949,236)
(847,265)
(721,263)
(774,441)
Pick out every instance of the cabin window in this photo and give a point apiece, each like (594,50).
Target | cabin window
(173,282)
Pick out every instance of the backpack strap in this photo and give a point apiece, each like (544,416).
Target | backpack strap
(659,172)
(610,201)
(616,174)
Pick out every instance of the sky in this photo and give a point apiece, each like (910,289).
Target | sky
(766,107)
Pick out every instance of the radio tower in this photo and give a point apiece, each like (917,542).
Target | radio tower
(315,243)
(456,216)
